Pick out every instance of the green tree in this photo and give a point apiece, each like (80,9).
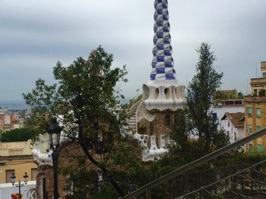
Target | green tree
(86,102)
(185,149)
(240,95)
(1,133)
(198,99)
(132,101)
(18,135)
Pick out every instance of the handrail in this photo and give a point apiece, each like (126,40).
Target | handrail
(147,188)
(214,183)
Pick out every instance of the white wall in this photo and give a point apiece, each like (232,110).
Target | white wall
(7,119)
(28,190)
(232,130)
(226,109)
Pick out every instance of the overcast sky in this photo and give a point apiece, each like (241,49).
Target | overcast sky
(35,34)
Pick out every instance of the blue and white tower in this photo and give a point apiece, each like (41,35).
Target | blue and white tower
(162,91)
(151,117)
(162,62)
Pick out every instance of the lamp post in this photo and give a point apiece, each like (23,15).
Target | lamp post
(54,137)
(19,185)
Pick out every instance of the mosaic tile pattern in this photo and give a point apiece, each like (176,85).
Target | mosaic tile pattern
(162,63)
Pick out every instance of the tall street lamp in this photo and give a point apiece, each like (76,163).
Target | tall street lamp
(54,137)
(19,185)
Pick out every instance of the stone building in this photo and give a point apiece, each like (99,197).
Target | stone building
(16,157)
(255,110)
(69,153)
(16,160)
(162,96)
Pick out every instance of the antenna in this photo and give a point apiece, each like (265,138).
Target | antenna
(247,86)
(257,69)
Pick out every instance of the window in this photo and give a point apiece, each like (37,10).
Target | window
(255,92)
(264,75)
(260,148)
(228,124)
(258,112)
(8,175)
(70,186)
(258,128)
(249,111)
(235,135)
(249,130)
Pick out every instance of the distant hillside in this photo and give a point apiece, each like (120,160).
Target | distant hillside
(13,104)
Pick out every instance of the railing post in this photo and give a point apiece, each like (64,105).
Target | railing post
(215,179)
(242,182)
(234,180)
(186,182)
(148,192)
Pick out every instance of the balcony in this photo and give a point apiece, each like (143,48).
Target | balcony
(258,82)
(256,99)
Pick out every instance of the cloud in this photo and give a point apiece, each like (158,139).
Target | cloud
(34,35)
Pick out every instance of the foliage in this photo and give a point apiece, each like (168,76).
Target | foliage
(132,101)
(18,135)
(219,96)
(86,103)
(240,95)
(198,99)
(236,157)
(195,131)
(1,133)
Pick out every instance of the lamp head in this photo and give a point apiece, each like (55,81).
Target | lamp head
(54,134)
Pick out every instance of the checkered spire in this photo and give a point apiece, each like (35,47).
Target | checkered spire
(162,62)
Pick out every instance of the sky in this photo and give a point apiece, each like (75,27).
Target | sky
(35,34)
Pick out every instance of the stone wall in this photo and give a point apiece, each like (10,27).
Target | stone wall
(67,157)
(69,153)
(159,126)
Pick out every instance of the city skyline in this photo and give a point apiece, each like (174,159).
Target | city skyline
(34,36)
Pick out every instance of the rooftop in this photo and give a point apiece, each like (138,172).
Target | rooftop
(235,118)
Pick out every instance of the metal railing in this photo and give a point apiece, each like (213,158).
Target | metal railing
(240,182)
(146,189)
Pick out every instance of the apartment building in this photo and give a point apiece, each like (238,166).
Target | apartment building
(255,110)
(16,157)
(9,120)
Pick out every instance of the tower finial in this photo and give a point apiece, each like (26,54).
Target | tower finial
(162,62)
